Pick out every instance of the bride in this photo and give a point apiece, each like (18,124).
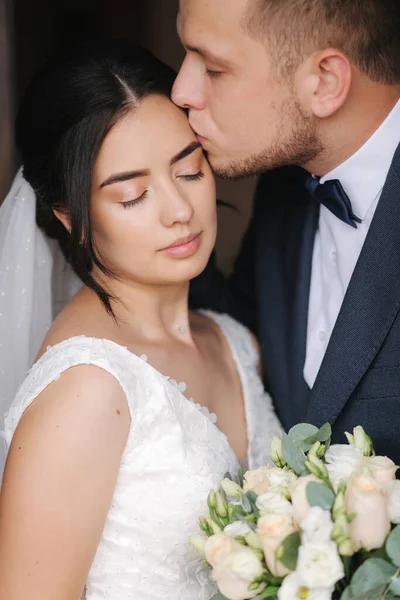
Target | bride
(135,407)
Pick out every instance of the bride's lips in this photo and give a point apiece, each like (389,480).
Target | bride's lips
(183,247)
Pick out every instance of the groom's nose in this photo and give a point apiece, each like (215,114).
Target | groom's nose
(188,89)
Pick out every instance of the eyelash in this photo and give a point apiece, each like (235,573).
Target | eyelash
(135,201)
(212,74)
(194,177)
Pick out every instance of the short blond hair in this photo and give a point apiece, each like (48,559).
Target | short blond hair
(367,31)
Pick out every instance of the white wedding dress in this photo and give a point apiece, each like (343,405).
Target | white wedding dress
(174,455)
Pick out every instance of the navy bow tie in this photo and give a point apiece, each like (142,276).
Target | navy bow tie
(332,195)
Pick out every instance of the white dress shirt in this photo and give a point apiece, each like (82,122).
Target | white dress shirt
(337,245)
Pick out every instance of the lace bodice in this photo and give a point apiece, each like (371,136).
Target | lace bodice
(174,455)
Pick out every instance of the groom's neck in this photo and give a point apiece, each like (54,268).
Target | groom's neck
(348,130)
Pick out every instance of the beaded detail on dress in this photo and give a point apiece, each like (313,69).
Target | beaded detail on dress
(174,455)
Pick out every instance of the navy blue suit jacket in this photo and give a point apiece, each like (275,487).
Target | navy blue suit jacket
(359,379)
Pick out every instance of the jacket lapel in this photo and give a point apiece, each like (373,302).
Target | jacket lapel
(304,225)
(369,308)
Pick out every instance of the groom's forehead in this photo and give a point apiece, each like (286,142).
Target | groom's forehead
(211,26)
(205,16)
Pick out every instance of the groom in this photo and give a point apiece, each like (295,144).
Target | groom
(307,91)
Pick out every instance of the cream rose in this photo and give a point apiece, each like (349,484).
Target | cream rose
(299,497)
(393,492)
(319,564)
(342,462)
(273,501)
(257,481)
(272,530)
(236,573)
(381,468)
(293,588)
(366,499)
(219,547)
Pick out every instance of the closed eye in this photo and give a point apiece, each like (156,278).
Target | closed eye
(193,177)
(138,200)
(212,73)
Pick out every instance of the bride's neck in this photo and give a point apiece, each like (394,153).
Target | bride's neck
(151,312)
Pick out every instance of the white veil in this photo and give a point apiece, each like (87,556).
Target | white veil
(35,283)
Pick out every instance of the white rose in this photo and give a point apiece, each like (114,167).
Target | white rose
(257,481)
(393,491)
(281,478)
(299,497)
(366,499)
(319,564)
(272,530)
(236,573)
(237,529)
(381,468)
(218,547)
(342,462)
(293,588)
(274,502)
(317,526)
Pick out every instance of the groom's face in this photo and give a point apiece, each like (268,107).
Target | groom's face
(246,115)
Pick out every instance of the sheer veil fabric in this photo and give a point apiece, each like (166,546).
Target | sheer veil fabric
(35,283)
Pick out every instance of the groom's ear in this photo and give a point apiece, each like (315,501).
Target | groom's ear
(327,78)
(63,217)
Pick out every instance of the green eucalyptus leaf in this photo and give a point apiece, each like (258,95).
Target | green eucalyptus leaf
(323,435)
(319,494)
(240,476)
(394,587)
(300,432)
(292,454)
(269,592)
(289,550)
(372,578)
(348,594)
(393,546)
(219,597)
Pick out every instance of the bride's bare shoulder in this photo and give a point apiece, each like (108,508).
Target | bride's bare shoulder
(83,315)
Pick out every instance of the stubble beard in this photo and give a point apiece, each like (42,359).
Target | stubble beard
(297,146)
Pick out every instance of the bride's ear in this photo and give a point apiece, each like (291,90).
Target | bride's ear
(64,219)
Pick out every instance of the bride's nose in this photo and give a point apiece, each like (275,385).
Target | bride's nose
(176,208)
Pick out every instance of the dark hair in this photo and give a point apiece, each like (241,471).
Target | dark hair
(367,31)
(66,113)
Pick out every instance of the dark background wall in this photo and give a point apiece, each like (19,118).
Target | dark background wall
(32,31)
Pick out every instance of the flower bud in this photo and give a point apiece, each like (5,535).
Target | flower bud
(277,453)
(221,506)
(339,505)
(341,530)
(316,467)
(346,548)
(361,440)
(205,525)
(253,540)
(212,499)
(214,528)
(231,489)
(199,543)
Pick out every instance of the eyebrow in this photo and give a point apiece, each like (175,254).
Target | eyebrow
(128,175)
(207,54)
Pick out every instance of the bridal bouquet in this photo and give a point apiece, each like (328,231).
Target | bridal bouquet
(322,523)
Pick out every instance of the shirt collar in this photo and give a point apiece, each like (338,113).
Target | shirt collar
(363,175)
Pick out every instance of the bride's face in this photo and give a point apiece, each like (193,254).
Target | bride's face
(153,205)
